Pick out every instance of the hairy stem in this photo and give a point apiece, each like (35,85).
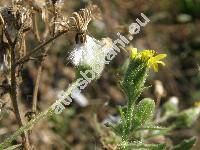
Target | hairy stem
(45,114)
(27,127)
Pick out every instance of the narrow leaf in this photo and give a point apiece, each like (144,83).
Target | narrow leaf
(186,144)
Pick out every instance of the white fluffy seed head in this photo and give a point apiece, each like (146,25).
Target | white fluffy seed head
(91,54)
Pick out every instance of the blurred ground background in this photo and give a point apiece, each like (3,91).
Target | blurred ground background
(174,29)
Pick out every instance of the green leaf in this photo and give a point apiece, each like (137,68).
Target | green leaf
(144,112)
(152,131)
(153,128)
(122,111)
(170,109)
(186,144)
(141,146)
(117,129)
(187,117)
(14,147)
(134,80)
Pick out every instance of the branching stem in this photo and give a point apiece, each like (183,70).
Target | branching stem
(13,88)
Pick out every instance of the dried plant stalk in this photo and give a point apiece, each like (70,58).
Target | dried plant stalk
(11,16)
(45,114)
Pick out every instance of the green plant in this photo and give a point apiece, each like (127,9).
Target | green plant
(137,123)
(191,7)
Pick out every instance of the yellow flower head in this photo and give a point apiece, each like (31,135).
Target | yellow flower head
(197,104)
(148,55)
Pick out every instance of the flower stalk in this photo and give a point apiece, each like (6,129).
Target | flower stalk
(137,116)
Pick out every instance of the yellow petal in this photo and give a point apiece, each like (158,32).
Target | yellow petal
(160,62)
(160,56)
(155,67)
(197,104)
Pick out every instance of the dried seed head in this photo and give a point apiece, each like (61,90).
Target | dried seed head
(25,19)
(7,15)
(54,1)
(81,19)
(17,2)
(44,4)
(59,3)
(39,3)
(15,16)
